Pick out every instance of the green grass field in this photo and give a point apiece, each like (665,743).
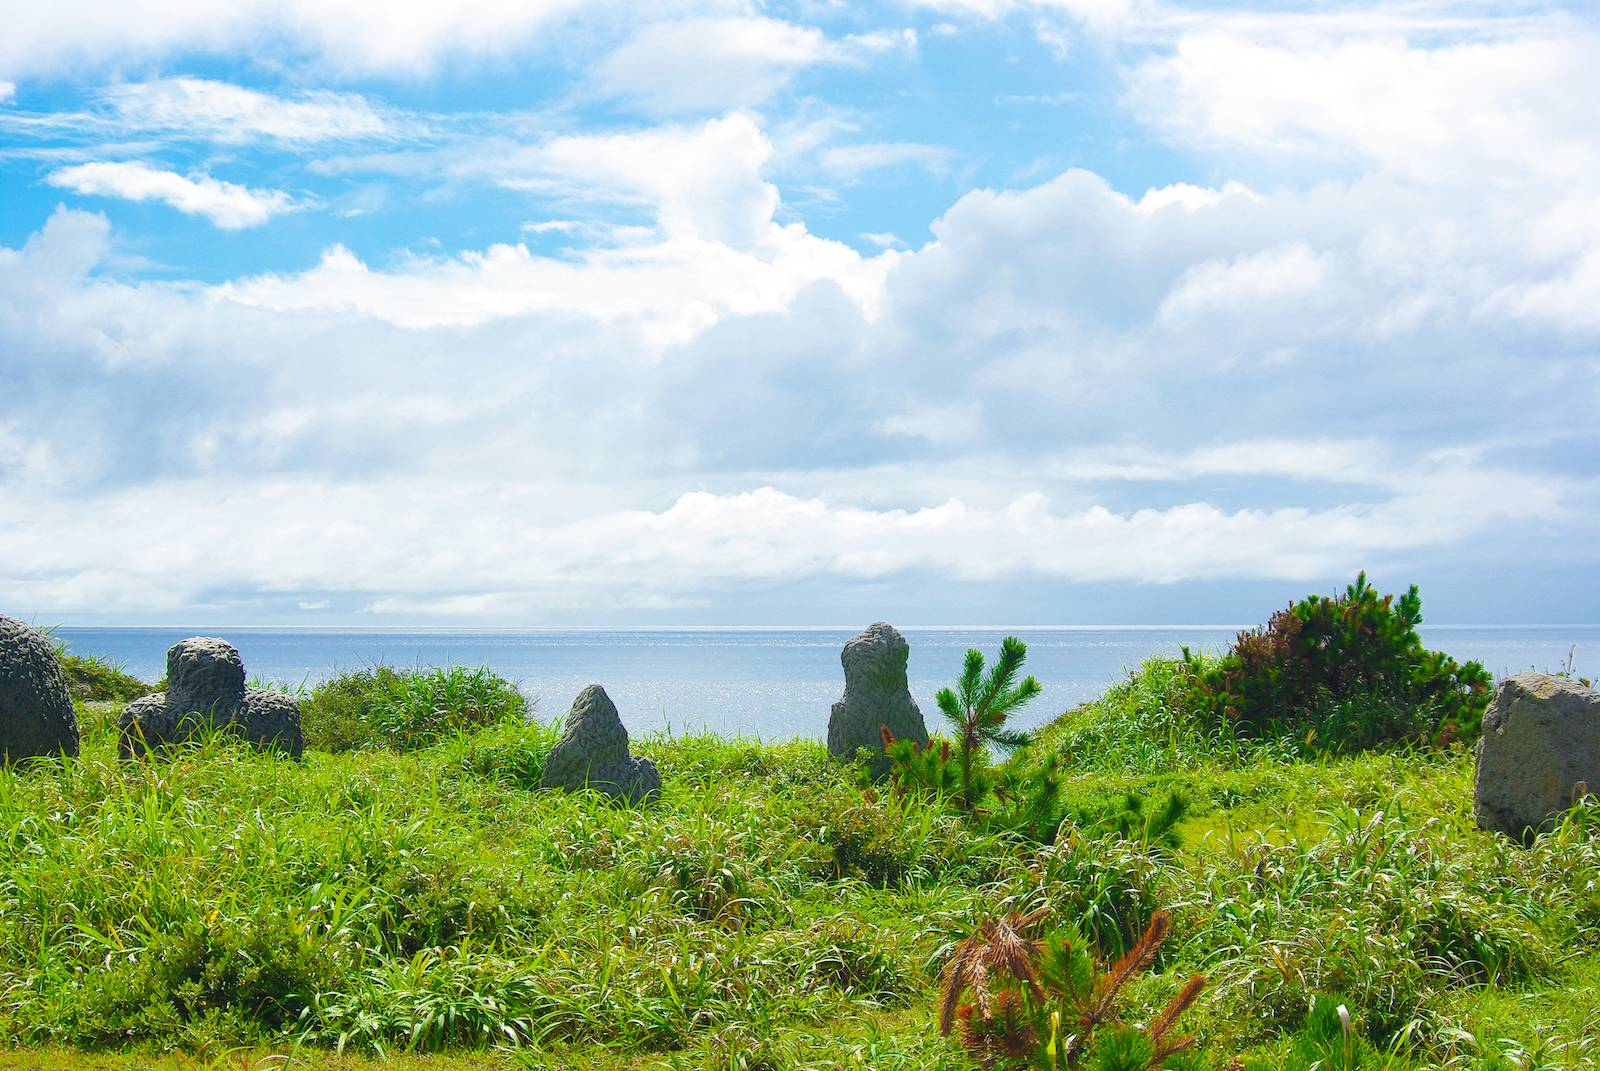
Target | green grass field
(228,909)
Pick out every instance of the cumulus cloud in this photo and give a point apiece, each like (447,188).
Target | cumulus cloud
(343,538)
(715,249)
(1028,397)
(697,397)
(228,205)
(1496,109)
(388,540)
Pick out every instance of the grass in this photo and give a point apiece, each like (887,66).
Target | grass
(226,909)
(96,678)
(404,709)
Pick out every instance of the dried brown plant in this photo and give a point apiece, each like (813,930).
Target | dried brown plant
(995,944)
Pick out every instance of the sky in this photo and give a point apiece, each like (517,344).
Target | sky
(697,312)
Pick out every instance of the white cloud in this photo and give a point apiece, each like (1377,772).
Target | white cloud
(1283,273)
(480,553)
(719,63)
(960,422)
(407,37)
(229,113)
(7,91)
(1496,109)
(1100,15)
(702,181)
(1067,383)
(853,161)
(226,204)
(715,250)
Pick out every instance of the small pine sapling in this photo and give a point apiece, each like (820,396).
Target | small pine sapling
(1049,1004)
(979,706)
(1031,794)
(920,770)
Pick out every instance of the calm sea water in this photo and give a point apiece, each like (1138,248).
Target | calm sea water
(768,682)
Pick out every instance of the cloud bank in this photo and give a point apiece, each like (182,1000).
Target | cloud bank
(1369,340)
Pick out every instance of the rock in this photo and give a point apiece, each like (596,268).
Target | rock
(875,695)
(593,753)
(36,716)
(206,689)
(1541,738)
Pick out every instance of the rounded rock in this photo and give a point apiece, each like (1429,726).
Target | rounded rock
(1540,751)
(206,689)
(36,715)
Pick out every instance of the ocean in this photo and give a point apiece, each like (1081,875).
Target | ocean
(768,682)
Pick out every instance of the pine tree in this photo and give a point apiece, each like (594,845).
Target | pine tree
(980,705)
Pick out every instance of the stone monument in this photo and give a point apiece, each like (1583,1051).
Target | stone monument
(876,695)
(36,716)
(206,689)
(1541,739)
(593,753)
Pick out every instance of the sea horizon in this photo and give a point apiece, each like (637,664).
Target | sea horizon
(770,681)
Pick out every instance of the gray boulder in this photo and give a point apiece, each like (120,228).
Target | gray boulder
(876,695)
(1541,737)
(593,753)
(36,716)
(206,690)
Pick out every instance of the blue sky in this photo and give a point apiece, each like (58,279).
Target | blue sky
(1022,313)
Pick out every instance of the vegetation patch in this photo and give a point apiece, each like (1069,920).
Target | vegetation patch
(408,890)
(405,709)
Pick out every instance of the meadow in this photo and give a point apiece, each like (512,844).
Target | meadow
(412,896)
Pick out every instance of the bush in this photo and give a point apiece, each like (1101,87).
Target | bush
(1349,672)
(95,677)
(404,709)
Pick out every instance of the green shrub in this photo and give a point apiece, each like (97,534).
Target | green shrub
(1348,672)
(924,771)
(97,678)
(246,974)
(511,753)
(978,706)
(1128,818)
(405,709)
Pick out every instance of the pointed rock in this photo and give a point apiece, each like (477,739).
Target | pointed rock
(593,753)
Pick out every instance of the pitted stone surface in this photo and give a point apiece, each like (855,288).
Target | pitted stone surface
(593,753)
(36,716)
(205,688)
(1541,737)
(876,695)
